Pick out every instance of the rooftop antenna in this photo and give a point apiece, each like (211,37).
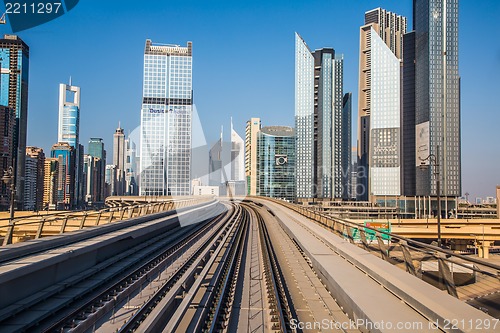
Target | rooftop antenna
(70,81)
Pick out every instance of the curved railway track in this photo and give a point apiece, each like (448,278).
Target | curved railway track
(78,302)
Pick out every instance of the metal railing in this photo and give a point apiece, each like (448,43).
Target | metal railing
(411,254)
(42,225)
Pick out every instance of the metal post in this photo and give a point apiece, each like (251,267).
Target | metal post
(436,165)
(9,179)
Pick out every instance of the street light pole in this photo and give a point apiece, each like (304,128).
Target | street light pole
(434,160)
(436,170)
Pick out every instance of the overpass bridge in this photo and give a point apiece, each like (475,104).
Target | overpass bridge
(252,265)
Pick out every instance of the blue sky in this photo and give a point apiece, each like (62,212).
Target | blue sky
(243,65)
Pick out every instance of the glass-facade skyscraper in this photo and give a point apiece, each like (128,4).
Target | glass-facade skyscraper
(69,132)
(276,160)
(437,95)
(379,109)
(65,190)
(166,115)
(14,74)
(320,123)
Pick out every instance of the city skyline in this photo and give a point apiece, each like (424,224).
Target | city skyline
(479,179)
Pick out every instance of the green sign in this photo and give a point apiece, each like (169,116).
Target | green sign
(371,234)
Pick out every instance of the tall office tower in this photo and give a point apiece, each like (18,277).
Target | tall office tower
(130,168)
(69,115)
(215,170)
(437,95)
(408,144)
(166,115)
(89,174)
(319,121)
(7,127)
(14,63)
(50,179)
(344,156)
(65,154)
(34,176)
(119,159)
(251,130)
(110,179)
(237,156)
(276,162)
(94,180)
(69,132)
(379,104)
(96,150)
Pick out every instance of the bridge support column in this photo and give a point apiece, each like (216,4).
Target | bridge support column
(484,249)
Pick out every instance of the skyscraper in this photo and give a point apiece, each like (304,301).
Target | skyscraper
(69,132)
(50,183)
(166,115)
(319,122)
(346,153)
(276,162)
(14,63)
(119,160)
(69,115)
(237,156)
(251,130)
(437,95)
(379,105)
(408,143)
(130,168)
(96,148)
(7,126)
(97,188)
(65,191)
(34,178)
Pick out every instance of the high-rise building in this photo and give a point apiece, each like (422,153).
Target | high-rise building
(34,179)
(69,115)
(408,143)
(69,132)
(96,148)
(345,154)
(94,177)
(215,170)
(65,191)
(50,183)
(119,160)
(7,126)
(237,156)
(14,74)
(319,121)
(251,130)
(276,162)
(166,118)
(131,187)
(97,187)
(437,96)
(379,104)
(110,180)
